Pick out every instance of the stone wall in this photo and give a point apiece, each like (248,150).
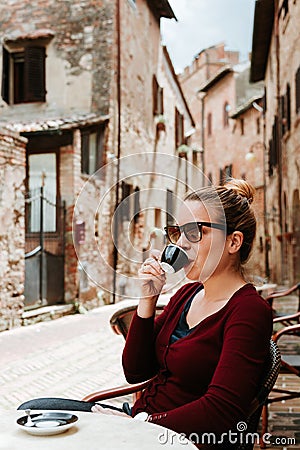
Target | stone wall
(79,56)
(12,230)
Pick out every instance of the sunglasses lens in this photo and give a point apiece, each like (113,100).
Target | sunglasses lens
(173,234)
(193,232)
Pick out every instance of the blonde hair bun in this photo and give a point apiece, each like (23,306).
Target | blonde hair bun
(242,188)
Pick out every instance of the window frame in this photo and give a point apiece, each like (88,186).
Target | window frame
(158,97)
(30,86)
(85,134)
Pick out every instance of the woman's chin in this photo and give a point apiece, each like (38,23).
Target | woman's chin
(191,272)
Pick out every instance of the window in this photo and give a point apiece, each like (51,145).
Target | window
(226,110)
(285,108)
(158,97)
(258,125)
(225,174)
(170,207)
(42,171)
(136,205)
(274,147)
(91,150)
(297,82)
(125,206)
(242,123)
(179,128)
(264,100)
(23,74)
(209,124)
(284,8)
(129,208)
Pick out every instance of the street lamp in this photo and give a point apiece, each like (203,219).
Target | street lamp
(250,156)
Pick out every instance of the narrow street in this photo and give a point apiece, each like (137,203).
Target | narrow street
(70,357)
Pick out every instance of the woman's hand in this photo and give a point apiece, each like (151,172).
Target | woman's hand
(152,276)
(98,409)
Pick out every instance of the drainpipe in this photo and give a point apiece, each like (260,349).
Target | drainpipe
(279,132)
(266,232)
(202,139)
(117,195)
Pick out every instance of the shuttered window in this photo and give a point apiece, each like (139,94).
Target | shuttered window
(34,74)
(274,147)
(298,91)
(5,75)
(170,207)
(285,110)
(209,124)
(158,97)
(226,110)
(179,128)
(92,149)
(23,75)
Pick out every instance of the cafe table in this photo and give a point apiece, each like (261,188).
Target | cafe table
(91,432)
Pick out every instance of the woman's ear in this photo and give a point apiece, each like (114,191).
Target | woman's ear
(235,241)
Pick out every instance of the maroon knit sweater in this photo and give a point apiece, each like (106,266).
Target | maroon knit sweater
(205,381)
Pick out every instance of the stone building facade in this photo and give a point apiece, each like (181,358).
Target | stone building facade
(276,61)
(84,83)
(229,124)
(12,240)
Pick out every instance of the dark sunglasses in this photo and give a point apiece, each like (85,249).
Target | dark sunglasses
(191,230)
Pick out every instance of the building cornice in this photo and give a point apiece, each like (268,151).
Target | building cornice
(262,33)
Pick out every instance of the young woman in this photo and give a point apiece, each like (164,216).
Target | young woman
(208,351)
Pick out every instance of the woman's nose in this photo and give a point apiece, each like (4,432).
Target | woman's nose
(183,242)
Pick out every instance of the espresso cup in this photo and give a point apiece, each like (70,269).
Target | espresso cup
(173,258)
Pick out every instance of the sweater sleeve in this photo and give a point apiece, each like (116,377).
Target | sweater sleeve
(139,359)
(139,355)
(236,378)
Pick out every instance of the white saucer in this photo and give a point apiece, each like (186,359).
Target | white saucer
(48,423)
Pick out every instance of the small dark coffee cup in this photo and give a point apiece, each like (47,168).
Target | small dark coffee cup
(173,258)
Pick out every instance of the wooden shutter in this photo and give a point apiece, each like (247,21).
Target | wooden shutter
(5,75)
(125,203)
(34,76)
(169,207)
(298,90)
(179,128)
(85,153)
(288,106)
(176,128)
(137,206)
(160,100)
(155,88)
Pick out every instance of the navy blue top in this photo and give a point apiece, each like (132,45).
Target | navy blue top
(183,328)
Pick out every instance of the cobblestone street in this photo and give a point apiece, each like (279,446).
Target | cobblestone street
(69,357)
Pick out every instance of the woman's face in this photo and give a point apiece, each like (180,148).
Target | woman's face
(206,255)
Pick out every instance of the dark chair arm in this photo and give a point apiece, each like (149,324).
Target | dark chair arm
(115,392)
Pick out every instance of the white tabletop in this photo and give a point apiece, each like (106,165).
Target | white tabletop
(92,432)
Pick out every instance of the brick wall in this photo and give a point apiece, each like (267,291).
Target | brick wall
(12,232)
